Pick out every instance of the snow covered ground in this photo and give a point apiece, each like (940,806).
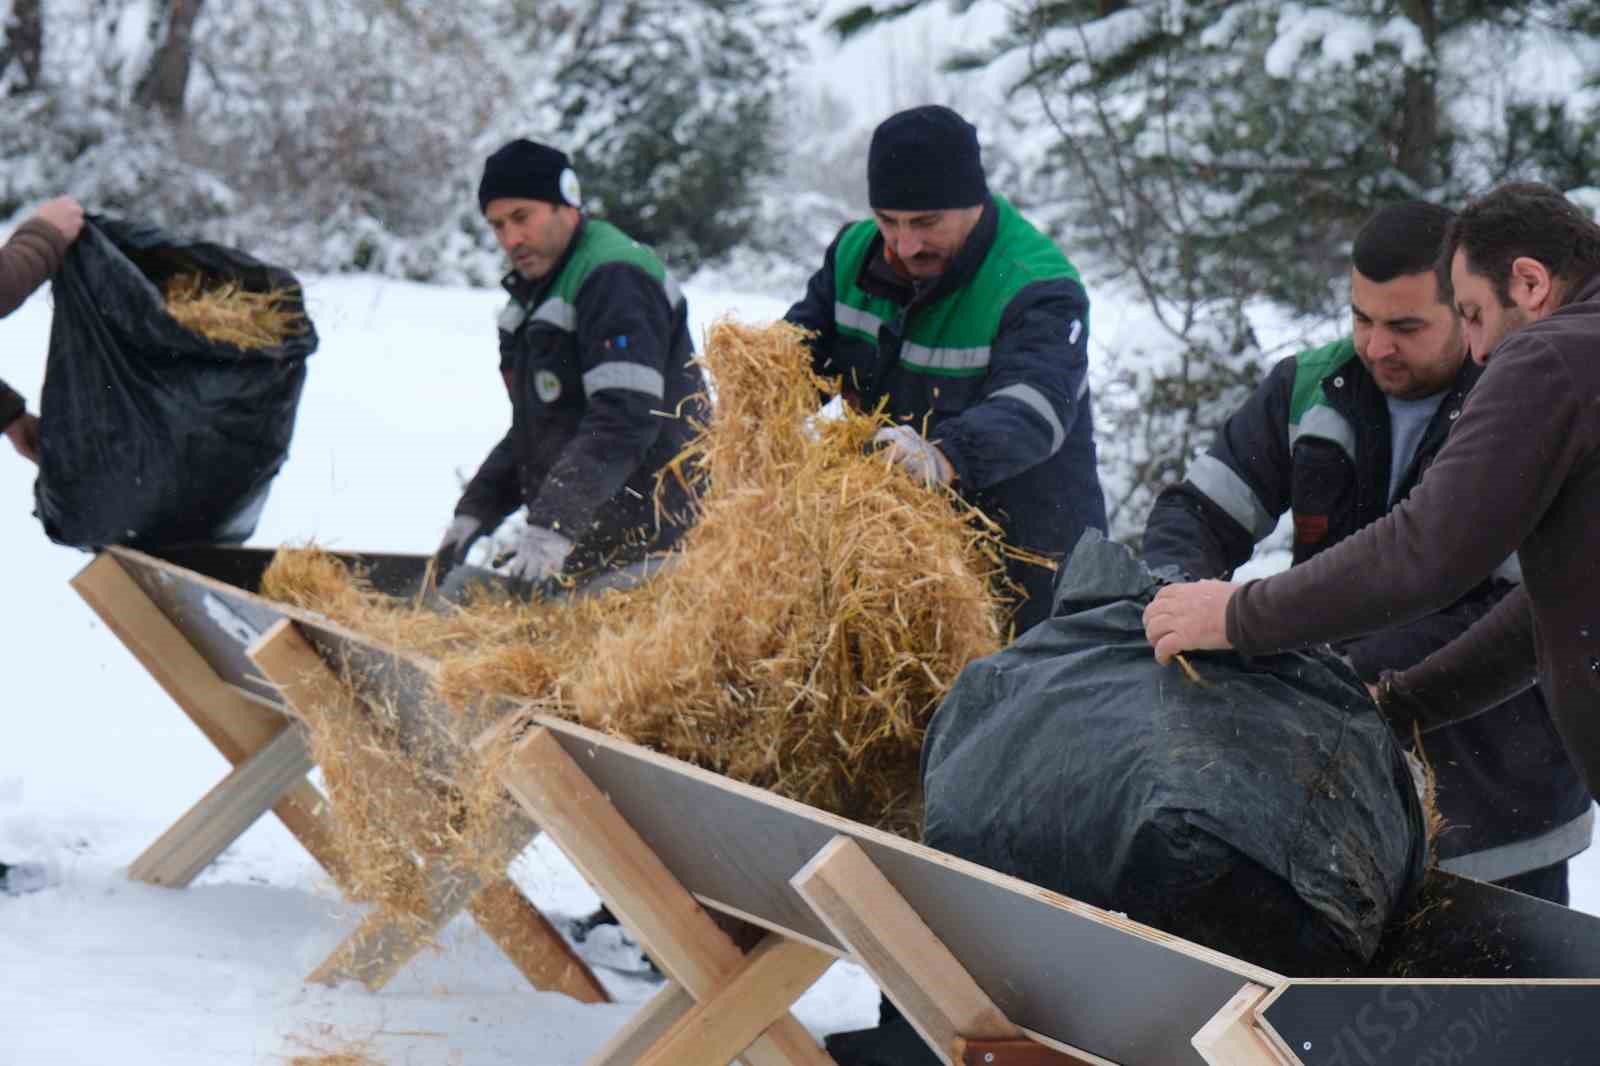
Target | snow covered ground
(402,402)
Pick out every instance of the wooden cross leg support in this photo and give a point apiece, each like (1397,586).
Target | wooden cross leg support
(241,728)
(382,944)
(1234,1035)
(914,969)
(722,1003)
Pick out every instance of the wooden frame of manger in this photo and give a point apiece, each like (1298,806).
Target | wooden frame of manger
(744,898)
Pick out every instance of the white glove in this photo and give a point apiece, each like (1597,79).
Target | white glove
(919,458)
(540,555)
(452,552)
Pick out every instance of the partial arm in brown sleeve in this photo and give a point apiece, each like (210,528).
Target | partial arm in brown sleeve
(1485,666)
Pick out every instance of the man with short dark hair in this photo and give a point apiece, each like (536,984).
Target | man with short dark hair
(597,360)
(1521,472)
(971,327)
(1337,436)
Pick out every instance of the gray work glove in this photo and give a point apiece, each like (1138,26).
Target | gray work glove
(463,532)
(540,555)
(909,450)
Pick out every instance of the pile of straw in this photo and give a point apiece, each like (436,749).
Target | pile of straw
(823,604)
(225,312)
(819,610)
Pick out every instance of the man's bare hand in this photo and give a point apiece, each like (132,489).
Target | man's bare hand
(23,432)
(65,214)
(1190,617)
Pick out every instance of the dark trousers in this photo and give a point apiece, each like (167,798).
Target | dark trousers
(1546,883)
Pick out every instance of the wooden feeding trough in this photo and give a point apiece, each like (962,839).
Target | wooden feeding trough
(744,898)
(238,665)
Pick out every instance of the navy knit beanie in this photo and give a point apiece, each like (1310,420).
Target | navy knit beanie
(925,159)
(524,170)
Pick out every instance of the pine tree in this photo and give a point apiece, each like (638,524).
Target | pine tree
(668,107)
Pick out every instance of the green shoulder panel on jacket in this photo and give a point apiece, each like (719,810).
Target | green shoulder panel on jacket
(600,244)
(952,336)
(1310,367)
(604,243)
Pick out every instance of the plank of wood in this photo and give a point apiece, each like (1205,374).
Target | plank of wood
(224,813)
(1233,1037)
(237,726)
(619,865)
(1011,1053)
(648,1025)
(912,967)
(759,993)
(383,943)
(533,945)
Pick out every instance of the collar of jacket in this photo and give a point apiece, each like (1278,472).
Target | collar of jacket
(878,278)
(1583,292)
(529,291)
(1351,391)
(1353,370)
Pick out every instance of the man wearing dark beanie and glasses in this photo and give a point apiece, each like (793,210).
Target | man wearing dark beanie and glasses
(596,356)
(971,327)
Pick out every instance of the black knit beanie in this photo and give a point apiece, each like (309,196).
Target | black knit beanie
(925,159)
(524,170)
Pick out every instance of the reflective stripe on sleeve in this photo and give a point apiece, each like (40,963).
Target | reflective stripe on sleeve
(632,377)
(1225,488)
(1034,400)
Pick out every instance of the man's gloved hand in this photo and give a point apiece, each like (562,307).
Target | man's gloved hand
(463,532)
(921,459)
(23,432)
(540,555)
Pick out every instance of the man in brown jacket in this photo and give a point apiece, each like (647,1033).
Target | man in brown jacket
(33,253)
(1520,473)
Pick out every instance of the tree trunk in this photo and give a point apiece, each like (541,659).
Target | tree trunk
(22,52)
(163,83)
(1419,125)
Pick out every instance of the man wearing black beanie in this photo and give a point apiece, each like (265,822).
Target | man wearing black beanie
(596,357)
(971,327)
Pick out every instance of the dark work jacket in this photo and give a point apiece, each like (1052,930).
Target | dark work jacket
(602,388)
(1038,480)
(1513,800)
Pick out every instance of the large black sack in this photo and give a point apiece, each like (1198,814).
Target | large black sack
(151,435)
(1266,811)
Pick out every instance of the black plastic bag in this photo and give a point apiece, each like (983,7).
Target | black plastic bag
(1265,811)
(151,435)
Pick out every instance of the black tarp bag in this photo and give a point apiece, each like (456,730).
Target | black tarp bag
(152,435)
(1265,811)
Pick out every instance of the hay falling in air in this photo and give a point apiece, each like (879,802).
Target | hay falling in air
(223,311)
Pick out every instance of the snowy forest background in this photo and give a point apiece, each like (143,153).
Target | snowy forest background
(1204,163)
